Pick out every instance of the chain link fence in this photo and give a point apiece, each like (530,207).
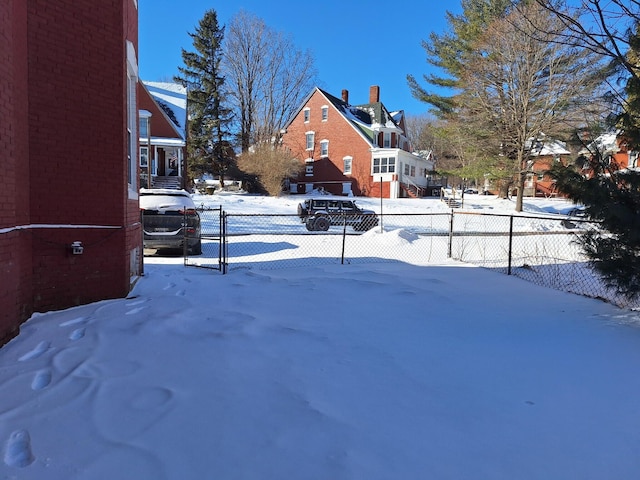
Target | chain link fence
(540,249)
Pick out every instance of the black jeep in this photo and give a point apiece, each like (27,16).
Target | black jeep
(321,213)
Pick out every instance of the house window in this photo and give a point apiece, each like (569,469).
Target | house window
(144,127)
(308,167)
(406,169)
(144,156)
(387,139)
(384,165)
(132,122)
(325,113)
(307,115)
(324,148)
(310,140)
(347,161)
(413,171)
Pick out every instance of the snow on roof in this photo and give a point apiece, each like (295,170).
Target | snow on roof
(174,96)
(545,146)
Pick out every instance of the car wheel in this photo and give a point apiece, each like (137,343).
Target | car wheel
(322,224)
(309,225)
(196,249)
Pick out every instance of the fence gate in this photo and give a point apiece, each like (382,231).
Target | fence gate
(213,251)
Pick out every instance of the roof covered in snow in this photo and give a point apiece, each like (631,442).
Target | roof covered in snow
(172,96)
(368,118)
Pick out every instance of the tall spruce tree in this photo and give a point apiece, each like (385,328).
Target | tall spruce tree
(208,147)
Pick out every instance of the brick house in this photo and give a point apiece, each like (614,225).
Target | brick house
(614,150)
(163,119)
(545,153)
(354,149)
(68,132)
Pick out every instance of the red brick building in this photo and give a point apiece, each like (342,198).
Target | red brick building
(354,149)
(68,133)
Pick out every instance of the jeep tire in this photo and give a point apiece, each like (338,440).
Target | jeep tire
(322,224)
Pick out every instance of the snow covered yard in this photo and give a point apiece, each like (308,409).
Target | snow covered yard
(363,371)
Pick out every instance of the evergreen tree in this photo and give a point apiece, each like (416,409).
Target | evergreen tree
(208,148)
(450,52)
(612,196)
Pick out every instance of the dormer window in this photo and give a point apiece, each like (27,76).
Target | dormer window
(325,113)
(307,115)
(387,140)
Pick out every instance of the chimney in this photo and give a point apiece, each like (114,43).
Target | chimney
(345,96)
(374,94)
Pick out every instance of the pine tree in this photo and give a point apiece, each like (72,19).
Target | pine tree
(208,148)
(612,197)
(451,51)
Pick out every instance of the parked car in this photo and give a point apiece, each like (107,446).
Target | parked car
(168,218)
(321,213)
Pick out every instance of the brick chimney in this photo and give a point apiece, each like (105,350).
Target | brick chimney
(374,94)
(345,96)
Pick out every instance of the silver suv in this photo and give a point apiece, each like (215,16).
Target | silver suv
(169,218)
(318,214)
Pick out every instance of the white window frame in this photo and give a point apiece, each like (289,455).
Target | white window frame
(307,115)
(308,167)
(325,113)
(324,148)
(383,165)
(347,163)
(386,140)
(132,122)
(310,138)
(144,156)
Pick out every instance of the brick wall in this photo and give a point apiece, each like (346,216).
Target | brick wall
(15,249)
(63,132)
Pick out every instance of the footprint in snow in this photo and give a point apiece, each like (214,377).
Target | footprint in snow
(75,321)
(134,311)
(18,450)
(41,380)
(36,352)
(77,334)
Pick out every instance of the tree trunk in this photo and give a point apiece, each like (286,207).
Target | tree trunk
(521,178)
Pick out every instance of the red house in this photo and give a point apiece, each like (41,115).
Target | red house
(69,215)
(163,120)
(354,149)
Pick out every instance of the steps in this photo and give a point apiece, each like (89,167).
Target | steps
(170,182)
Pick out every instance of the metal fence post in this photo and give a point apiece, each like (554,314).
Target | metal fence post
(450,249)
(510,244)
(223,242)
(344,236)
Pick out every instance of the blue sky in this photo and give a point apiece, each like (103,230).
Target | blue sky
(355,43)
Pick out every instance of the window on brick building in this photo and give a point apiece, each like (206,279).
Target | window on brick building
(308,167)
(347,161)
(310,140)
(325,113)
(132,122)
(324,148)
(307,115)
